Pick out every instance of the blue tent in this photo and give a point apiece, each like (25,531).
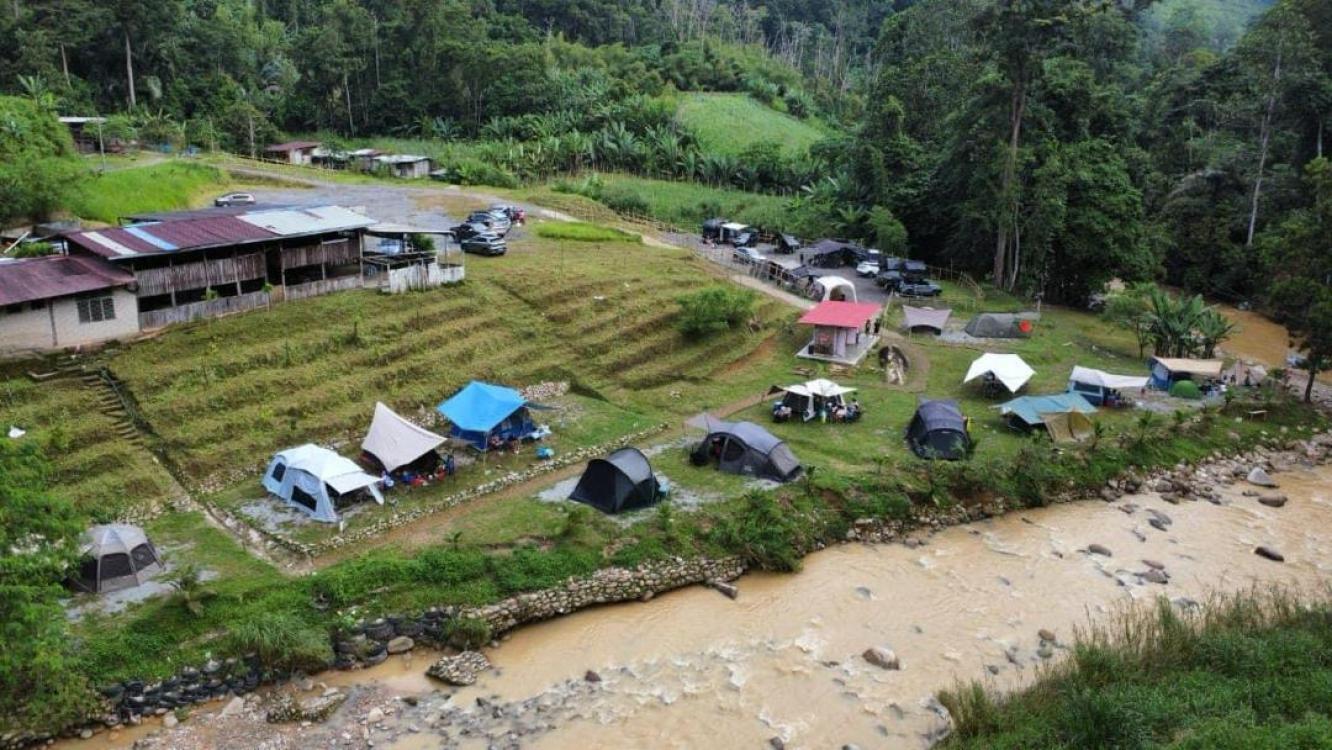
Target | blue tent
(481,410)
(1031,409)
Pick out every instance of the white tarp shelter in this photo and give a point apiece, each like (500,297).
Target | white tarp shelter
(312,478)
(1103,379)
(1008,369)
(396,442)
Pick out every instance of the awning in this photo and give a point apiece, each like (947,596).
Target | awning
(1032,410)
(1210,368)
(926,317)
(1008,369)
(396,441)
(1104,379)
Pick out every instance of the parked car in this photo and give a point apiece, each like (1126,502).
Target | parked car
(484,244)
(514,214)
(747,256)
(868,268)
(464,231)
(919,289)
(234,199)
(889,281)
(493,222)
(915,271)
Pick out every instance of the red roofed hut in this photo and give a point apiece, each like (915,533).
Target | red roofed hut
(843,331)
(292,152)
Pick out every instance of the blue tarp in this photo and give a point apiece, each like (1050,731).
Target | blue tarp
(480,409)
(1030,408)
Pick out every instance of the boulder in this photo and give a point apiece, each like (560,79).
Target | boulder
(234,707)
(1269,553)
(1099,549)
(461,669)
(375,716)
(590,676)
(170,721)
(1259,477)
(401,645)
(1272,500)
(727,589)
(1156,523)
(1154,575)
(1046,635)
(883,658)
(1153,564)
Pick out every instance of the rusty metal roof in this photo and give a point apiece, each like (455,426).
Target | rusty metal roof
(54,276)
(291,146)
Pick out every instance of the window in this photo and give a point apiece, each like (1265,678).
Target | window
(302,497)
(115,566)
(279,471)
(143,556)
(96,309)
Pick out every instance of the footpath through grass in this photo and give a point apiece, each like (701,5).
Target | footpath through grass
(1249,671)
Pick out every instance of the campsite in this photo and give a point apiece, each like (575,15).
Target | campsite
(428,374)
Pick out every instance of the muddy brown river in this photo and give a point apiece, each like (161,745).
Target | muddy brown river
(693,669)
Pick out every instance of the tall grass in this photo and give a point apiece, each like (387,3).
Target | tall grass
(577,231)
(159,187)
(1249,669)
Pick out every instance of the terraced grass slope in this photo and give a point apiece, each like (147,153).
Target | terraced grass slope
(729,123)
(104,472)
(225,394)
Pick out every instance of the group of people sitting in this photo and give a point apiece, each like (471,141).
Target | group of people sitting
(414,475)
(838,411)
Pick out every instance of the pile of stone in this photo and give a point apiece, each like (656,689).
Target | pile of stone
(459,670)
(285,708)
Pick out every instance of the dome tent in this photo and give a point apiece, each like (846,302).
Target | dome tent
(315,480)
(116,556)
(745,448)
(939,431)
(619,482)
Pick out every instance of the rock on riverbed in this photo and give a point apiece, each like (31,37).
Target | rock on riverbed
(461,669)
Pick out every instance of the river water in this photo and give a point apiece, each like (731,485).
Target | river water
(693,669)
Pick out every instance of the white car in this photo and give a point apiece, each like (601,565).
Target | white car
(747,256)
(868,268)
(234,199)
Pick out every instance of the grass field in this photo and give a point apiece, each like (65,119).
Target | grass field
(158,187)
(679,204)
(1250,671)
(103,474)
(730,123)
(577,231)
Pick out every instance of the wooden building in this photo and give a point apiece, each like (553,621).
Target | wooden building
(86,132)
(197,264)
(300,153)
(58,301)
(405,166)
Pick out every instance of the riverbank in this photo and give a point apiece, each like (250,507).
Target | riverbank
(547,663)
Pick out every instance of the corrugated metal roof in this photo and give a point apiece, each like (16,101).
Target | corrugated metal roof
(841,314)
(56,276)
(200,230)
(294,221)
(292,146)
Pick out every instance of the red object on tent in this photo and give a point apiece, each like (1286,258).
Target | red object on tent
(1024,325)
(841,314)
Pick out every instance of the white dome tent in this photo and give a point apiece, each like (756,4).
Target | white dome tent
(836,289)
(116,556)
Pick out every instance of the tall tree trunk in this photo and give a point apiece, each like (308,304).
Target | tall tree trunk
(250,117)
(64,65)
(1263,140)
(1017,108)
(346,90)
(129,71)
(375,27)
(1320,137)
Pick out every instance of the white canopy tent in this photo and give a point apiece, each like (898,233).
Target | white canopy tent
(310,477)
(806,398)
(1105,379)
(396,442)
(1008,369)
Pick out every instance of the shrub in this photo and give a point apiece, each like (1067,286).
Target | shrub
(714,309)
(282,641)
(762,532)
(1186,389)
(467,633)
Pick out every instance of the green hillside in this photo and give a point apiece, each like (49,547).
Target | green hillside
(728,123)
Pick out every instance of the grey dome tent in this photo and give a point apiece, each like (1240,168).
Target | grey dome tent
(745,448)
(116,556)
(939,431)
(619,482)
(1000,325)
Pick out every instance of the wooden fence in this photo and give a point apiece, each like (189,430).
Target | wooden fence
(201,274)
(326,286)
(209,308)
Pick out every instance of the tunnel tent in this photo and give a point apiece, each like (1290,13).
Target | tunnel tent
(316,480)
(1000,325)
(938,430)
(925,319)
(747,449)
(1006,369)
(836,289)
(619,482)
(482,410)
(116,557)
(394,442)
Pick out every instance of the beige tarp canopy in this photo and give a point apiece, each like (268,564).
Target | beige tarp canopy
(1207,368)
(1068,427)
(395,441)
